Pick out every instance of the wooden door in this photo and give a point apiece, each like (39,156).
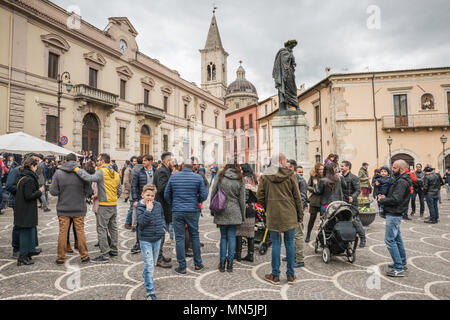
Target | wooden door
(401,110)
(90,133)
(145,140)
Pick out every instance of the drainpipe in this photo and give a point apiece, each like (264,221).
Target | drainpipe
(375,117)
(320,124)
(9,72)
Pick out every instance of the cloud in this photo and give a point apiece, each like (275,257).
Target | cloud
(412,34)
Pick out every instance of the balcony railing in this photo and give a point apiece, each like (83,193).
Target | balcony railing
(82,91)
(412,121)
(148,110)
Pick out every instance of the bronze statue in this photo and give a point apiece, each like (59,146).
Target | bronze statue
(284,76)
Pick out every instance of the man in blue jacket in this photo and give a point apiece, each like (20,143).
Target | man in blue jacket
(184,191)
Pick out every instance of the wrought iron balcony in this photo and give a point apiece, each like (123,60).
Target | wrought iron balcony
(150,111)
(412,121)
(82,91)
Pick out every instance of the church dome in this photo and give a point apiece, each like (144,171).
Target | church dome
(241,85)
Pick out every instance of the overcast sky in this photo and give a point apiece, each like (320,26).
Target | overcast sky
(411,34)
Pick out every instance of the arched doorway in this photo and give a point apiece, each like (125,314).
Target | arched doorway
(145,140)
(90,133)
(406,157)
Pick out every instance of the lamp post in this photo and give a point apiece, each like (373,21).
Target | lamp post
(389,141)
(443,140)
(61,77)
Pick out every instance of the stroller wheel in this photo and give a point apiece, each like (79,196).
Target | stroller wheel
(316,246)
(263,249)
(326,255)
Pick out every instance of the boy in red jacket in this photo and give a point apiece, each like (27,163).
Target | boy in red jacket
(414,180)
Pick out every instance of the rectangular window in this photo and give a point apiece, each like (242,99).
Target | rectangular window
(53,65)
(234,124)
(93,78)
(316,116)
(242,123)
(250,120)
(265,109)
(228,124)
(146,96)
(448,102)
(123,86)
(51,129)
(122,138)
(165,143)
(401,110)
(166,103)
(185,111)
(215,122)
(237,105)
(202,114)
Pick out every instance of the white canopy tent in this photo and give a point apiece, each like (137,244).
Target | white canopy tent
(22,143)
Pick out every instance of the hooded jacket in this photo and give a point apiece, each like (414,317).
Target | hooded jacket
(384,182)
(279,194)
(108,183)
(234,188)
(397,199)
(27,193)
(71,191)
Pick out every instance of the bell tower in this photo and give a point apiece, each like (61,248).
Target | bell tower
(214,62)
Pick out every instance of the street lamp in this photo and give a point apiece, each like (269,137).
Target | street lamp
(443,140)
(389,141)
(61,77)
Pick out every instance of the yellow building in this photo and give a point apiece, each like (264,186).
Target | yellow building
(354,114)
(122,101)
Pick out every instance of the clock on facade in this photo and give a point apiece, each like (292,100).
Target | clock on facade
(123,46)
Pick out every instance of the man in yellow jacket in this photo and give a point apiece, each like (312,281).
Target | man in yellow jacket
(109,190)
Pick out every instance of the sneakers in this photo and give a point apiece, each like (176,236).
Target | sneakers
(136,248)
(291,278)
(299,265)
(199,267)
(86,260)
(151,297)
(100,259)
(47,210)
(162,264)
(392,266)
(113,254)
(430,221)
(59,262)
(395,273)
(272,279)
(180,271)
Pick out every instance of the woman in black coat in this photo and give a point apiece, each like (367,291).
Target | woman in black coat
(26,210)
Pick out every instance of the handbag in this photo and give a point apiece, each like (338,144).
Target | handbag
(218,202)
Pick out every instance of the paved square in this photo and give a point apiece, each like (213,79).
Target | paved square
(427,248)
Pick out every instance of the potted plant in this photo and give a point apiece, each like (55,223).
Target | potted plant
(366,213)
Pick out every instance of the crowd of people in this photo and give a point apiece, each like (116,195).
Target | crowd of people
(166,197)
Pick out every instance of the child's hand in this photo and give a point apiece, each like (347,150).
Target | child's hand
(150,205)
(377,183)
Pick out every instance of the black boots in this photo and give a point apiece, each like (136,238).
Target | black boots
(308,235)
(24,259)
(251,250)
(229,265)
(238,252)
(222,266)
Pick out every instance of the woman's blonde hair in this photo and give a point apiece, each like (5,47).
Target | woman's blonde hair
(315,171)
(148,187)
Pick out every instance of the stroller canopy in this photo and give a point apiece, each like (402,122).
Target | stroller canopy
(342,209)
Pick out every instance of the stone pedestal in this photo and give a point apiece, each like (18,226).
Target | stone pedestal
(291,137)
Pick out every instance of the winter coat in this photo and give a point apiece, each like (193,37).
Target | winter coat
(420,177)
(327,195)
(161,178)
(71,191)
(138,181)
(431,184)
(413,179)
(184,191)
(363,177)
(397,200)
(108,183)
(279,195)
(353,188)
(127,181)
(314,199)
(151,224)
(234,188)
(11,182)
(27,193)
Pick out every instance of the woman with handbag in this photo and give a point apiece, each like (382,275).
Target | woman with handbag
(228,208)
(247,229)
(314,199)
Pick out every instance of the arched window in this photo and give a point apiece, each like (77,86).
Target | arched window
(208,68)
(213,72)
(145,130)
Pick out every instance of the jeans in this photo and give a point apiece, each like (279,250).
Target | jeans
(276,251)
(179,219)
(421,200)
(432,202)
(227,241)
(394,242)
(213,176)
(43,199)
(149,252)
(129,218)
(171,231)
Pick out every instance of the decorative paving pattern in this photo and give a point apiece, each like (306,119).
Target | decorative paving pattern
(427,247)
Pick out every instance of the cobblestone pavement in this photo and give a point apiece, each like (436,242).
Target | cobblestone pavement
(427,247)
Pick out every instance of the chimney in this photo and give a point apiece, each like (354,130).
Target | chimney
(327,71)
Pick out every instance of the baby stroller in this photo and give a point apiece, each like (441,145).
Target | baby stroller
(261,232)
(337,233)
